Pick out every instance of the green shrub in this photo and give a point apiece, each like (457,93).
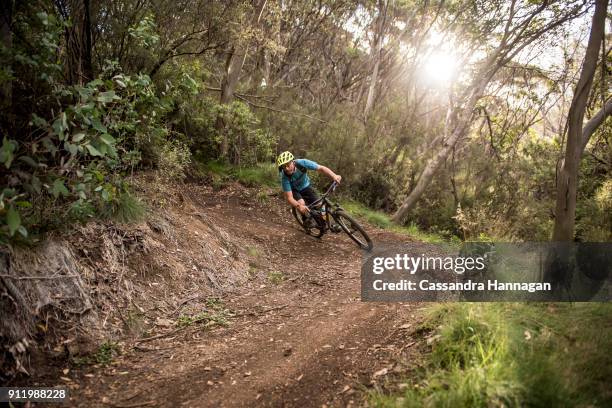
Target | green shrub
(174,158)
(80,144)
(594,217)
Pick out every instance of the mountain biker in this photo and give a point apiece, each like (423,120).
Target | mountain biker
(295,182)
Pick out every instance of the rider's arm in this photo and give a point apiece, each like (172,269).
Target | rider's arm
(292,201)
(329,173)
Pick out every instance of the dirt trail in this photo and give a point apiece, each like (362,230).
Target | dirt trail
(307,341)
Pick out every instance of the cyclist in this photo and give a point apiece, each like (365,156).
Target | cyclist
(295,182)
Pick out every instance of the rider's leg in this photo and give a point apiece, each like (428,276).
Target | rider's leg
(310,196)
(298,197)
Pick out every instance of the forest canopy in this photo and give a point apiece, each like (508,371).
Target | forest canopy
(457,116)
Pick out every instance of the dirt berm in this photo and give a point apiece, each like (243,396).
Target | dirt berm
(218,299)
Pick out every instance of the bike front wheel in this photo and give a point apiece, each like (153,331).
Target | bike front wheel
(354,230)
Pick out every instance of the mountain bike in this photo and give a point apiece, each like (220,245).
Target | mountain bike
(324,215)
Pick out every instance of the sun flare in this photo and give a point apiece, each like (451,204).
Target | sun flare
(440,68)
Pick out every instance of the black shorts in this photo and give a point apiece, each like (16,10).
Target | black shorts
(308,194)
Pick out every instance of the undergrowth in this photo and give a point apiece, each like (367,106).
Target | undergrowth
(221,174)
(276,278)
(104,355)
(513,354)
(383,220)
(215,314)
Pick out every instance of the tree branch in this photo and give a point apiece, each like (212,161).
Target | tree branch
(591,126)
(278,110)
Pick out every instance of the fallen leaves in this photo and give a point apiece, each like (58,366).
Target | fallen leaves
(381,372)
(164,322)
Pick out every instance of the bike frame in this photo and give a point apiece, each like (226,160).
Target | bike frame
(335,212)
(330,207)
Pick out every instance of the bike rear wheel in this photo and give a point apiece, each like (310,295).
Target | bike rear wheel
(353,230)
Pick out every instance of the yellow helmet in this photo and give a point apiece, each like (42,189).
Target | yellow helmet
(284,158)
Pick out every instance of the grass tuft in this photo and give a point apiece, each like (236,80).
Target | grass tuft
(382,220)
(276,278)
(106,352)
(129,209)
(260,175)
(216,314)
(103,356)
(265,174)
(513,354)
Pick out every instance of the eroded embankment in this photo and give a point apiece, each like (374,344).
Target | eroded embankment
(76,289)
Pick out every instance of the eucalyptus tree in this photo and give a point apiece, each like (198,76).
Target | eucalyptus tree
(379,33)
(495,33)
(6,40)
(577,135)
(144,35)
(78,33)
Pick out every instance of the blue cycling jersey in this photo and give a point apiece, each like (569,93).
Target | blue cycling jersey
(298,180)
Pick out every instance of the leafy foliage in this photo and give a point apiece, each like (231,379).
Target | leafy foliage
(79,118)
(74,160)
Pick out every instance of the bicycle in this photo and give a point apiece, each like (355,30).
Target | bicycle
(318,220)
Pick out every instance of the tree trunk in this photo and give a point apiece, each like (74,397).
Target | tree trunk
(257,74)
(382,15)
(233,67)
(79,68)
(87,64)
(567,178)
(6,38)
(458,128)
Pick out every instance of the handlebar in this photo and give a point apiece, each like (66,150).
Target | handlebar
(331,188)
